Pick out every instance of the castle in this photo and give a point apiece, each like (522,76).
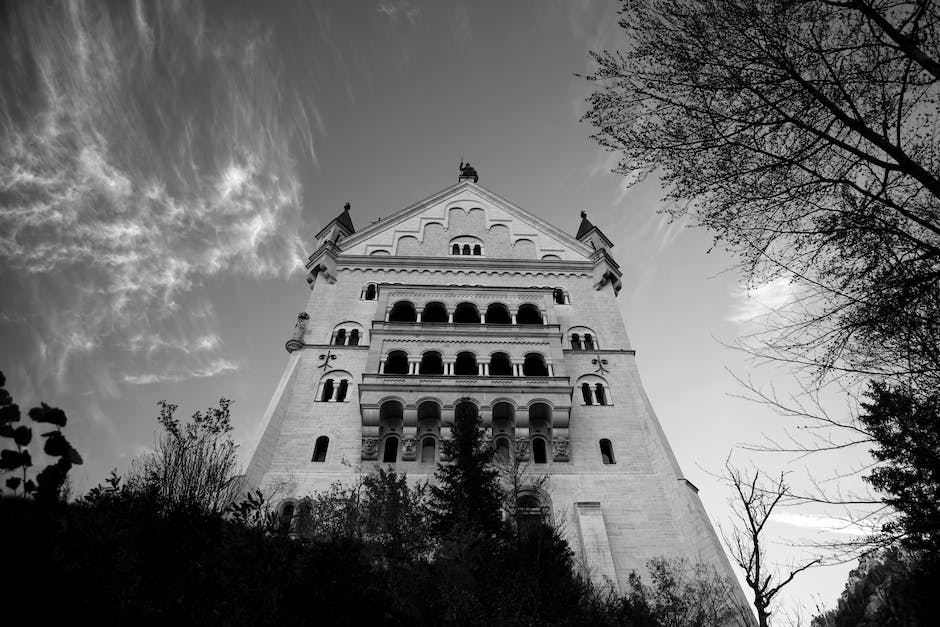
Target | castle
(467,302)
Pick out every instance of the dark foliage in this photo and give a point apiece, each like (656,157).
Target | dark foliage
(890,588)
(905,427)
(50,480)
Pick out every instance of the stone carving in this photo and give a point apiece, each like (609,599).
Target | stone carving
(296,341)
(370,448)
(600,363)
(409,448)
(326,358)
(560,449)
(522,449)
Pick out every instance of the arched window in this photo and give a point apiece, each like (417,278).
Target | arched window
(594,390)
(466,412)
(586,394)
(342,391)
(402,311)
(434,312)
(327,391)
(319,450)
(500,365)
(429,419)
(354,337)
(466,249)
(340,337)
(588,342)
(390,450)
(396,363)
(539,454)
(575,341)
(583,338)
(428,450)
(303,519)
(560,297)
(534,366)
(466,313)
(431,363)
(455,249)
(529,314)
(466,364)
(607,452)
(477,250)
(285,516)
(497,313)
(369,292)
(599,394)
(502,449)
(531,513)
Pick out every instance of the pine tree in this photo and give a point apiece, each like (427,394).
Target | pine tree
(468,494)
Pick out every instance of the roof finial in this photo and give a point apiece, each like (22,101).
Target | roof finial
(346,207)
(584,214)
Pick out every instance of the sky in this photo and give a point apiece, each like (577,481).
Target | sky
(164,166)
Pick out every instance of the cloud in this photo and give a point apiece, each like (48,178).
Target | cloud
(218,366)
(401,9)
(144,151)
(820,523)
(760,301)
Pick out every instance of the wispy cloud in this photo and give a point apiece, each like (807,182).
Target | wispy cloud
(218,366)
(396,10)
(820,523)
(145,152)
(762,300)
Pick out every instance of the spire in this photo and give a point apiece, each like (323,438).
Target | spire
(585,227)
(345,220)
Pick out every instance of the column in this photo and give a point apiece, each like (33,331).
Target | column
(544,315)
(413,366)
(512,317)
(336,383)
(480,368)
(449,366)
(418,317)
(551,369)
(387,314)
(517,369)
(382,364)
(485,369)
(450,317)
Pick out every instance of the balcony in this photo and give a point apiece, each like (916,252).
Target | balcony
(451,382)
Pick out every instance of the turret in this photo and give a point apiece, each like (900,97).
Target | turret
(323,260)
(606,270)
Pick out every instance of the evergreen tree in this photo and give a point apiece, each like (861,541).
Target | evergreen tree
(467,495)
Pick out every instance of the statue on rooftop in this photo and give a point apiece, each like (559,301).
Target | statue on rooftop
(467,172)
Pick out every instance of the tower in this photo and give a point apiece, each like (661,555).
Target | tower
(465,298)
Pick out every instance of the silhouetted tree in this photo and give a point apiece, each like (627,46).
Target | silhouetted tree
(905,428)
(467,495)
(801,134)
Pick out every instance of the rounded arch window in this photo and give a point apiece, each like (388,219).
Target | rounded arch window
(466,313)
(285,516)
(402,311)
(434,312)
(500,365)
(466,412)
(502,449)
(539,451)
(347,334)
(529,314)
(607,452)
(532,510)
(497,313)
(594,390)
(369,292)
(466,364)
(583,338)
(560,296)
(320,448)
(428,450)
(534,366)
(466,245)
(396,363)
(431,363)
(334,386)
(390,449)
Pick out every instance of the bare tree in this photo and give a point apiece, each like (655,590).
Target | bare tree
(754,503)
(801,134)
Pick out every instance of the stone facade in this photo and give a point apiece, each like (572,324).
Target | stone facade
(379,373)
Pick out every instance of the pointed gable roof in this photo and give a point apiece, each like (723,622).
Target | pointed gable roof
(463,191)
(345,220)
(585,227)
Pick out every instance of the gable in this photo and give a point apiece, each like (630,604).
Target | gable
(475,220)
